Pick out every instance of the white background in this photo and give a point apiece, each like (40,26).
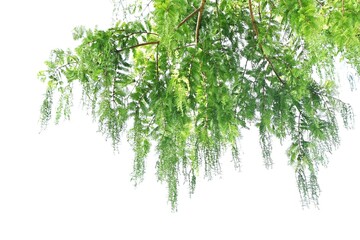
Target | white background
(66,183)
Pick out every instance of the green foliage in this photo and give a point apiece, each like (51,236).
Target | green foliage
(190,75)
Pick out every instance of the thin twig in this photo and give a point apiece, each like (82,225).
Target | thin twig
(59,68)
(145,9)
(141,32)
(300,4)
(245,68)
(157,62)
(273,68)
(139,45)
(259,11)
(116,30)
(185,46)
(260,45)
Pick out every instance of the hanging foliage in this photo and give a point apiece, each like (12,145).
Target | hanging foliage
(189,75)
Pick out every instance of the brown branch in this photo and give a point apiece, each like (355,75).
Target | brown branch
(273,68)
(144,44)
(201,10)
(139,45)
(260,45)
(141,32)
(157,62)
(116,30)
(253,19)
(188,17)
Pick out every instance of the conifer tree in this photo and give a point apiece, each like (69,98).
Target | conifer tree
(187,76)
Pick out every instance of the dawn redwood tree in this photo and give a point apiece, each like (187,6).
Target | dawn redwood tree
(188,75)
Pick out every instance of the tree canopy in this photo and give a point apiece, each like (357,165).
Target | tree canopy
(187,76)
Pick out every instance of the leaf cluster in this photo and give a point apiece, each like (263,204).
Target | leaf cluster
(190,75)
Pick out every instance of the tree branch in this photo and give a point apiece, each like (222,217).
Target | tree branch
(273,68)
(188,17)
(185,46)
(157,62)
(261,48)
(139,45)
(201,10)
(253,19)
(141,32)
